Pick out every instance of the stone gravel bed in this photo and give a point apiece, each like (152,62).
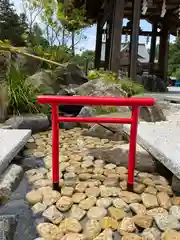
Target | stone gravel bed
(93,202)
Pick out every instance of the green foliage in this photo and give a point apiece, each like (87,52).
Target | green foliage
(177,74)
(128,85)
(131,87)
(21,94)
(57,54)
(12,26)
(174,57)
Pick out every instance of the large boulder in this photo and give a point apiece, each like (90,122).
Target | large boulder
(5,63)
(35,122)
(119,154)
(59,81)
(152,114)
(100,87)
(43,80)
(24,63)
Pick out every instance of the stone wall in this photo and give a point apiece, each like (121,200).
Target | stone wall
(5,61)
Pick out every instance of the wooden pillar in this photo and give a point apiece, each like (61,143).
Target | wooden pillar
(163,53)
(153,48)
(115,33)
(134,38)
(98,45)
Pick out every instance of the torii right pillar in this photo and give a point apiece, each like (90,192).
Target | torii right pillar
(163,53)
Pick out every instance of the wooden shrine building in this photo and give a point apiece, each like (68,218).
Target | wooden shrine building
(164,15)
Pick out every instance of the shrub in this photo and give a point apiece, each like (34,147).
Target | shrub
(131,87)
(21,94)
(128,85)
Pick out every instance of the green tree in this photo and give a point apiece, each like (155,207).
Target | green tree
(12,26)
(174,57)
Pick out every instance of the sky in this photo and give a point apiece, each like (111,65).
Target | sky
(90,33)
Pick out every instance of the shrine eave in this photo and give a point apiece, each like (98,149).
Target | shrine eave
(95,9)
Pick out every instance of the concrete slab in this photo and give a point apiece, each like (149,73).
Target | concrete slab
(161,140)
(175,99)
(11,142)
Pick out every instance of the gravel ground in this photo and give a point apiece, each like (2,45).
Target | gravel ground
(93,201)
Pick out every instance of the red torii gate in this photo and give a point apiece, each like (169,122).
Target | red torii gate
(135,103)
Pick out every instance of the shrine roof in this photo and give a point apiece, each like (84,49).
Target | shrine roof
(97,8)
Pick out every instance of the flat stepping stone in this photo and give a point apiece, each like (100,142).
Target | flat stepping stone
(161,140)
(11,143)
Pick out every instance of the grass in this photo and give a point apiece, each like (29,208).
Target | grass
(21,94)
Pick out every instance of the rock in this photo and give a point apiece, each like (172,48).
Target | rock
(42,183)
(49,231)
(50,197)
(149,200)
(127,225)
(8,226)
(73,236)
(96,213)
(84,176)
(175,184)
(38,208)
(104,202)
(34,175)
(106,234)
(24,63)
(52,82)
(138,208)
(67,191)
(77,212)
(170,234)
(165,188)
(87,164)
(87,203)
(152,114)
(164,200)
(64,203)
(116,213)
(118,155)
(111,182)
(175,211)
(92,191)
(92,229)
(78,197)
(81,187)
(70,225)
(108,222)
(143,221)
(34,197)
(151,190)
(176,200)
(139,188)
(53,215)
(70,176)
(156,211)
(105,191)
(151,234)
(35,122)
(129,197)
(131,236)
(165,222)
(102,132)
(119,203)
(100,88)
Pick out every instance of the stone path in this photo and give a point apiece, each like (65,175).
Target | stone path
(93,202)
